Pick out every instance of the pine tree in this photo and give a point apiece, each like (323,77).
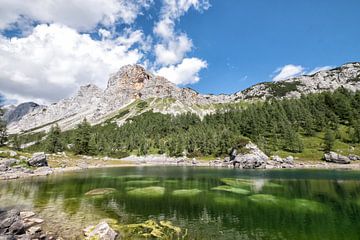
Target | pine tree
(329,140)
(53,142)
(82,138)
(15,142)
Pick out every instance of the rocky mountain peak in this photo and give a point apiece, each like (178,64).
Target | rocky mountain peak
(129,75)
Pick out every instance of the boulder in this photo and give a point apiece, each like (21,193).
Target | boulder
(336,158)
(101,231)
(11,223)
(254,158)
(354,157)
(9,162)
(38,160)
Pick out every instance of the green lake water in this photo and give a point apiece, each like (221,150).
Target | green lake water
(205,203)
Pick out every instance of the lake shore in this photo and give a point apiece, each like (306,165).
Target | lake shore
(59,164)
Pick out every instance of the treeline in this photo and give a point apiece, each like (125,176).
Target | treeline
(274,125)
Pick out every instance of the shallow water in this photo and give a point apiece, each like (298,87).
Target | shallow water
(209,203)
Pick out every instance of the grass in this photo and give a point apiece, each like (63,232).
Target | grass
(313,147)
(186,192)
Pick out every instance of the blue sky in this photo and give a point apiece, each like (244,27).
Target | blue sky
(210,46)
(245,41)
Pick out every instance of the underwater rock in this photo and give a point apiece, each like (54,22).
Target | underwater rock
(100,191)
(152,191)
(265,199)
(102,231)
(142,182)
(242,183)
(305,205)
(186,192)
(231,189)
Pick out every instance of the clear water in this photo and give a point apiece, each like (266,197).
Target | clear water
(277,204)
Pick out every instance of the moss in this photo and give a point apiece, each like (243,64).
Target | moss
(242,183)
(100,191)
(152,229)
(265,199)
(186,192)
(304,205)
(142,182)
(226,201)
(152,191)
(231,189)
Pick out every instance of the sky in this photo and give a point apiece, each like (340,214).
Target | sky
(49,48)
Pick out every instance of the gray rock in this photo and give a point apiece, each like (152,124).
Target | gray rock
(38,160)
(255,158)
(354,157)
(336,158)
(8,162)
(101,231)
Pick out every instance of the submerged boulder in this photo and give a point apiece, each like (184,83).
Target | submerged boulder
(38,160)
(336,158)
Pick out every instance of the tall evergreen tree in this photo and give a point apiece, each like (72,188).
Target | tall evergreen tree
(82,138)
(53,142)
(329,140)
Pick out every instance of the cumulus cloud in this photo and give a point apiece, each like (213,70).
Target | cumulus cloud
(288,71)
(319,69)
(57,51)
(186,72)
(79,14)
(173,46)
(54,60)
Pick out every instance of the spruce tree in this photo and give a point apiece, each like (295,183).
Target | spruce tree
(53,142)
(329,140)
(82,138)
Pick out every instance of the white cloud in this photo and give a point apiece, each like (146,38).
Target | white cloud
(174,46)
(288,71)
(82,15)
(54,60)
(186,72)
(173,51)
(319,69)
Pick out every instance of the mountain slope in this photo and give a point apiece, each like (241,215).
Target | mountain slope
(133,90)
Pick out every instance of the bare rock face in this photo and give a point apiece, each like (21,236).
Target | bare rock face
(346,76)
(336,158)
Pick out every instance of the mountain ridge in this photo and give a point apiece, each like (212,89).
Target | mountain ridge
(133,83)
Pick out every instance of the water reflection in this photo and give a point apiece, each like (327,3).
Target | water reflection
(255,204)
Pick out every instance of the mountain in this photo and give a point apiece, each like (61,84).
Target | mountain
(15,113)
(133,90)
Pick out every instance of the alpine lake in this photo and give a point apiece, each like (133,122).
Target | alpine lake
(195,203)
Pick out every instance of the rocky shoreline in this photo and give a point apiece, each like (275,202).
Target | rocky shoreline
(21,167)
(24,225)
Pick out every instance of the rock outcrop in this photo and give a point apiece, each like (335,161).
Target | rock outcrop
(133,83)
(336,158)
(253,158)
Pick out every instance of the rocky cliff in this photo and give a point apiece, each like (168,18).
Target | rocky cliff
(133,90)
